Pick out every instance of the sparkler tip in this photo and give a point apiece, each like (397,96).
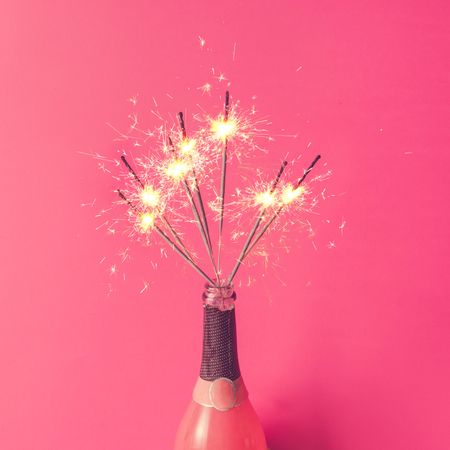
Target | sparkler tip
(227,104)
(182,125)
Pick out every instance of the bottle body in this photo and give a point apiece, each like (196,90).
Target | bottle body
(220,415)
(206,428)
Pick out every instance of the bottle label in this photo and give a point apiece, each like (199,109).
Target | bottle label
(222,394)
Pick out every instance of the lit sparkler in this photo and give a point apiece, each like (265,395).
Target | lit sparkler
(151,189)
(223,129)
(249,245)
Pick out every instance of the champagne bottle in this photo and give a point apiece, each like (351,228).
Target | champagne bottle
(220,415)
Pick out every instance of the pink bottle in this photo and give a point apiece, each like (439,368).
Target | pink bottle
(220,415)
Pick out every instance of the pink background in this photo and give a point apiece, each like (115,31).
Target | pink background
(350,352)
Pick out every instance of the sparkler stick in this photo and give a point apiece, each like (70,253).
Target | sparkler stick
(200,226)
(202,208)
(163,217)
(183,255)
(127,165)
(172,244)
(190,197)
(302,178)
(223,180)
(197,187)
(255,226)
(122,196)
(201,223)
(182,124)
(176,236)
(192,203)
(275,215)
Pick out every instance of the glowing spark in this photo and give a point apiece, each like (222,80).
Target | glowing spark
(124,255)
(134,120)
(145,288)
(187,146)
(290,193)
(331,244)
(156,114)
(177,169)
(206,88)
(222,129)
(102,225)
(146,222)
(150,197)
(102,212)
(311,232)
(113,270)
(103,168)
(91,204)
(342,226)
(202,41)
(266,199)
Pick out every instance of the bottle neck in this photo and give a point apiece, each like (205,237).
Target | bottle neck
(219,356)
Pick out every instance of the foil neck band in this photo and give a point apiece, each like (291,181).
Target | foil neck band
(222,394)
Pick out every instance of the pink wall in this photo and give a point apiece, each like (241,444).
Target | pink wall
(352,352)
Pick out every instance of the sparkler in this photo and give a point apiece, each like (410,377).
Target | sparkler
(202,222)
(257,223)
(187,147)
(150,198)
(147,222)
(293,194)
(152,187)
(222,130)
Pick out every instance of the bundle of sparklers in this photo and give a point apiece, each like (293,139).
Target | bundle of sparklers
(183,166)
